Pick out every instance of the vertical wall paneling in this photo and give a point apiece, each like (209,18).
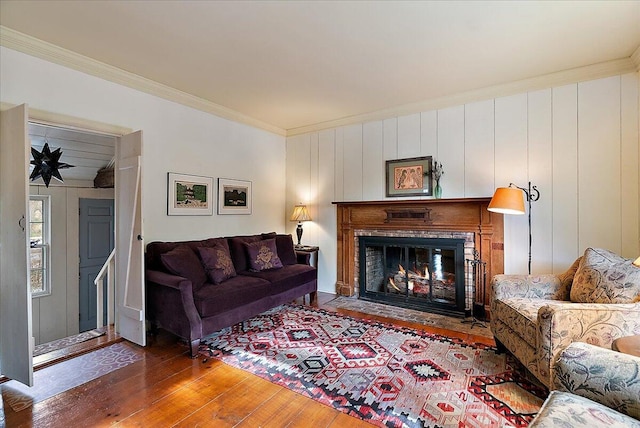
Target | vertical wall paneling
(298,170)
(540,175)
(290,177)
(511,167)
(353,162)
(373,173)
(409,136)
(451,151)
(429,133)
(326,221)
(565,177)
(578,143)
(339,164)
(630,165)
(390,138)
(599,163)
(311,228)
(478,149)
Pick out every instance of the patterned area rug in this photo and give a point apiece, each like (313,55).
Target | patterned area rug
(63,376)
(388,375)
(67,341)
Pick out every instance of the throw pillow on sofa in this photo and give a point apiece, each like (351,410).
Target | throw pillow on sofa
(605,277)
(217,263)
(182,261)
(263,255)
(284,245)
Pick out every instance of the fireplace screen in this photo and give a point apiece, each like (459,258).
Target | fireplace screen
(417,273)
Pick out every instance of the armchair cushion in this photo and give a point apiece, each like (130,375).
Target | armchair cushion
(562,409)
(605,277)
(521,315)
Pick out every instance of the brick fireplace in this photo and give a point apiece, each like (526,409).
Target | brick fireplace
(463,221)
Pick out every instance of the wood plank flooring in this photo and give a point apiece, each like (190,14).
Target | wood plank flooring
(167,388)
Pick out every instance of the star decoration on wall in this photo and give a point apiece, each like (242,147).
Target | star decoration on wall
(47,164)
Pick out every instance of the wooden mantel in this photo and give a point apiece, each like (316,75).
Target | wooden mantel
(456,215)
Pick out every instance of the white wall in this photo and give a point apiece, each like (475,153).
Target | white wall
(176,139)
(577,143)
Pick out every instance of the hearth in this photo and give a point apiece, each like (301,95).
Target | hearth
(420,273)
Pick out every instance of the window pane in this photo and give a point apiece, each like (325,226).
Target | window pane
(35,210)
(37,281)
(35,232)
(37,258)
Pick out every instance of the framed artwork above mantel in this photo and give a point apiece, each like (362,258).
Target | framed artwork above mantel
(409,177)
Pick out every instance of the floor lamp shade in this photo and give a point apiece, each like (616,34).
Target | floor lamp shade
(510,200)
(507,200)
(300,214)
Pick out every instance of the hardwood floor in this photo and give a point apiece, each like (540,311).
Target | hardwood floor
(167,388)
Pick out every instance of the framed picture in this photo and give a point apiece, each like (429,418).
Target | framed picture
(409,177)
(189,195)
(234,196)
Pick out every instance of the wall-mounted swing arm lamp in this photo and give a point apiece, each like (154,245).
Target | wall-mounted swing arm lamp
(300,214)
(510,200)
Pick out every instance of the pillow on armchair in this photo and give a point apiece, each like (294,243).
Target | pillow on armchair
(605,277)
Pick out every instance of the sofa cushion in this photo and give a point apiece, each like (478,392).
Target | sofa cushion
(286,278)
(605,277)
(521,315)
(217,263)
(155,250)
(230,294)
(263,255)
(239,252)
(182,261)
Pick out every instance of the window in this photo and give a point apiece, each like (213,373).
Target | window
(39,251)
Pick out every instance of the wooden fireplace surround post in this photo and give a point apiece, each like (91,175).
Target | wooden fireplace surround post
(451,215)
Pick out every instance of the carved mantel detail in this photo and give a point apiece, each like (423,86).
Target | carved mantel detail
(456,215)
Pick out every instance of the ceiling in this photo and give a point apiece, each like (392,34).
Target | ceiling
(292,64)
(87,152)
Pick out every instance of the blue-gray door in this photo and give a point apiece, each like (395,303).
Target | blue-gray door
(96,243)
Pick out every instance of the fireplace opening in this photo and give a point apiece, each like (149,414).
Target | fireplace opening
(426,274)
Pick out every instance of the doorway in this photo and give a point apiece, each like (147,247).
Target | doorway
(96,243)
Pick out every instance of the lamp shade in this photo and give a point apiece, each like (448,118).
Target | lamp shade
(300,213)
(507,200)
(637,262)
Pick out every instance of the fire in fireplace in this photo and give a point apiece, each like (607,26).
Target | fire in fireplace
(418,273)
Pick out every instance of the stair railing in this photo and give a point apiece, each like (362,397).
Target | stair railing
(106,273)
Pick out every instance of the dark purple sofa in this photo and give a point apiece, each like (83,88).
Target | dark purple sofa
(191,291)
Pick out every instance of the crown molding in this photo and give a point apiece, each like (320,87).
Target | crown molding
(590,72)
(38,48)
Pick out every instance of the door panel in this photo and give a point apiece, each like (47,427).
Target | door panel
(129,245)
(96,243)
(16,338)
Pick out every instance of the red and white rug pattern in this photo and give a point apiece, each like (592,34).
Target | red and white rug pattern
(388,375)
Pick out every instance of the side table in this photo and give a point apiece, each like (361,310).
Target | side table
(628,345)
(310,252)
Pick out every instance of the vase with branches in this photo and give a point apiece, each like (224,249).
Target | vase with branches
(438,172)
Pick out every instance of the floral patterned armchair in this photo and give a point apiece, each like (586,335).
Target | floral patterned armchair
(592,387)
(536,316)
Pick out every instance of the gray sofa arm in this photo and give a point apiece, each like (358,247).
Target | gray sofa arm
(545,286)
(602,375)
